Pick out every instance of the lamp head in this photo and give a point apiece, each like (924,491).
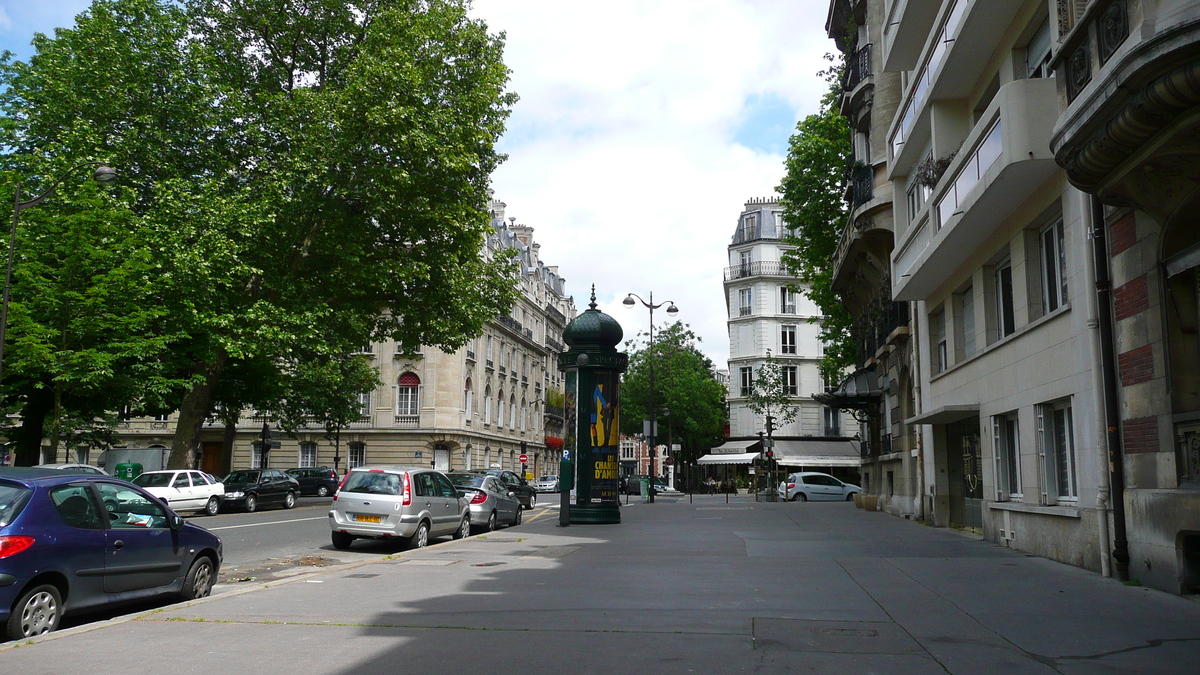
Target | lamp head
(629,301)
(672,310)
(105,175)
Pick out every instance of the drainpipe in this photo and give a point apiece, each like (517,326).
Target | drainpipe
(1116,464)
(1101,429)
(915,382)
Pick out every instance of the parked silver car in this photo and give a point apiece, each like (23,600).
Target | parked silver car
(386,502)
(814,486)
(546,484)
(492,502)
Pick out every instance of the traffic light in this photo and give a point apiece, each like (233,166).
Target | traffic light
(770,424)
(770,454)
(522,447)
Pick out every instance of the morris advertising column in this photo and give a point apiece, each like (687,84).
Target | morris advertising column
(593,368)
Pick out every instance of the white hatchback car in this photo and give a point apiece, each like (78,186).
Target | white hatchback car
(813,486)
(184,490)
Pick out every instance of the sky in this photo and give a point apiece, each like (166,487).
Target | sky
(643,127)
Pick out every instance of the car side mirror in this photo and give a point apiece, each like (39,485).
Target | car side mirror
(511,493)
(176,522)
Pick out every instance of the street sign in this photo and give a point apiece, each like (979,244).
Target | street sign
(566,455)
(524,459)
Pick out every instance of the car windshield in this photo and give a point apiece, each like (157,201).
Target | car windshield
(12,500)
(546,479)
(153,479)
(241,478)
(467,480)
(373,483)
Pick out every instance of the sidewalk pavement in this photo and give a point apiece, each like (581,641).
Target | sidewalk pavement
(706,587)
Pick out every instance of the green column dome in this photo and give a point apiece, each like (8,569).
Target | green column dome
(593,329)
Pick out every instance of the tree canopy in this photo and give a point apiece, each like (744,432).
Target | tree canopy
(811,193)
(298,177)
(683,383)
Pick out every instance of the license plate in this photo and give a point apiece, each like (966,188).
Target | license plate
(360,518)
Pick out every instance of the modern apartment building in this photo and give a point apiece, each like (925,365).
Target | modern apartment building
(480,406)
(1043,164)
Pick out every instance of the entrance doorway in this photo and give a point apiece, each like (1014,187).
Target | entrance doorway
(441,457)
(964,469)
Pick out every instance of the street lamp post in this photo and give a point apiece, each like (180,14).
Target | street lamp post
(102,175)
(672,310)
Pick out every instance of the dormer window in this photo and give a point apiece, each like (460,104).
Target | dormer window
(748,222)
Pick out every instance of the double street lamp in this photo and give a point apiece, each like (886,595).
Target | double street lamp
(103,175)
(671,310)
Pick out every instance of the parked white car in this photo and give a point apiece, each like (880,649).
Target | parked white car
(813,486)
(184,490)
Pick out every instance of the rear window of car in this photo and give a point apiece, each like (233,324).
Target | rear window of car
(372,483)
(13,498)
(466,480)
(153,479)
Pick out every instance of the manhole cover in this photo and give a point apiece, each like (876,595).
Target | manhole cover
(360,576)
(844,637)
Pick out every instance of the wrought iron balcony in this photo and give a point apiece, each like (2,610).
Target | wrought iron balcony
(858,68)
(755,269)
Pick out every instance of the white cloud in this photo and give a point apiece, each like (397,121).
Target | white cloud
(621,150)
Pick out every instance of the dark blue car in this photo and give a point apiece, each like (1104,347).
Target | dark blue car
(70,542)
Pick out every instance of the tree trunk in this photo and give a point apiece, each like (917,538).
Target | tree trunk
(192,412)
(55,426)
(227,446)
(28,437)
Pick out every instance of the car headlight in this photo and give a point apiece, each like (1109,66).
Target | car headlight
(235,495)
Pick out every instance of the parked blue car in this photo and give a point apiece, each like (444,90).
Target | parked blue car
(70,542)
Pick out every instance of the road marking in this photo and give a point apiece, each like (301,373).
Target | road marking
(273,522)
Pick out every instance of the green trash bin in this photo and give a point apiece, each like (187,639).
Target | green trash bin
(128,470)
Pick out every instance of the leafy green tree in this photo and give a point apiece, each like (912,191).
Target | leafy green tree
(812,198)
(683,383)
(304,175)
(769,394)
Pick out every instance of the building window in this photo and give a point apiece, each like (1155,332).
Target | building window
(468,399)
(512,411)
(1057,451)
(744,260)
(747,380)
(364,404)
(937,328)
(791,385)
(787,301)
(1054,266)
(967,321)
(1037,53)
(308,455)
(833,422)
(357,455)
(787,340)
(487,404)
(918,194)
(748,221)
(256,456)
(408,395)
(1005,319)
(744,301)
(500,409)
(781,227)
(1007,455)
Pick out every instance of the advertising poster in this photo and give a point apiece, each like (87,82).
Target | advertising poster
(571,384)
(603,410)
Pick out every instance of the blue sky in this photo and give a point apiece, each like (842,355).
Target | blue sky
(641,131)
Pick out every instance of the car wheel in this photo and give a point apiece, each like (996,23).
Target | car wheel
(290,500)
(420,538)
(517,517)
(251,503)
(491,523)
(532,501)
(341,540)
(800,497)
(36,612)
(464,528)
(323,491)
(199,580)
(850,497)
(212,507)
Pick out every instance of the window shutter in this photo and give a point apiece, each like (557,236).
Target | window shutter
(998,461)
(416,405)
(396,398)
(1046,458)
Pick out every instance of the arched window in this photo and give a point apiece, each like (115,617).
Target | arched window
(408,395)
(512,412)
(524,414)
(487,404)
(467,402)
(500,409)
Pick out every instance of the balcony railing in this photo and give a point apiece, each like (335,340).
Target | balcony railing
(875,325)
(862,186)
(555,315)
(408,421)
(921,83)
(858,67)
(489,363)
(745,311)
(553,344)
(470,355)
(754,269)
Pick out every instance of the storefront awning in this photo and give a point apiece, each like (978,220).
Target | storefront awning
(818,452)
(734,447)
(860,390)
(946,414)
(740,458)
